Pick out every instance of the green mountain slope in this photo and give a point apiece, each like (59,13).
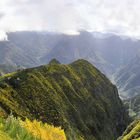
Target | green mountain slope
(77,97)
(132,132)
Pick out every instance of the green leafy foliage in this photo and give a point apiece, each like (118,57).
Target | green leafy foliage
(11,129)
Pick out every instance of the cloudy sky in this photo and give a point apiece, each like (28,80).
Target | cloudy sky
(69,16)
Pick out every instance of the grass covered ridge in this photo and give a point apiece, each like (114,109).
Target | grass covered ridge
(132,132)
(77,97)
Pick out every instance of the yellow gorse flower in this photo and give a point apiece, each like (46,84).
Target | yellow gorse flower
(43,131)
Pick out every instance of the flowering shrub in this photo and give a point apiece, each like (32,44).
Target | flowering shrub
(43,131)
(16,129)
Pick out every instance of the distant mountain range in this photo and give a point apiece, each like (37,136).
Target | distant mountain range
(128,78)
(133,106)
(69,91)
(112,54)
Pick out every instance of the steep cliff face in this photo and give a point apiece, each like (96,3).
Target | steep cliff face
(77,97)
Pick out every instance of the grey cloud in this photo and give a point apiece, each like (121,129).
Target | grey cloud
(69,16)
(1,15)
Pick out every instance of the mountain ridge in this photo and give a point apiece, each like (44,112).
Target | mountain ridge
(77,97)
(40,47)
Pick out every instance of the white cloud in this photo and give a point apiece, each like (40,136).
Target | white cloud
(69,16)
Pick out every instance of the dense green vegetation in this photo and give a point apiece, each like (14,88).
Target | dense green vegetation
(11,129)
(77,97)
(132,132)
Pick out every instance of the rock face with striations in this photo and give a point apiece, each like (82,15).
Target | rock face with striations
(77,97)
